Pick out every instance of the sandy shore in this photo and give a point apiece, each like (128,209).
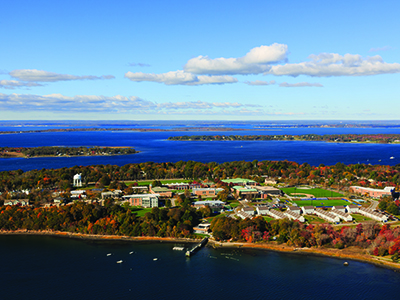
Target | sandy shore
(351,253)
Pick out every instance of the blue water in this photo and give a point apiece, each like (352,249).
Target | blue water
(154,146)
(38,267)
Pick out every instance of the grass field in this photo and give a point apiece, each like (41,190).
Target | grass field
(268,218)
(314,219)
(140,211)
(320,202)
(148,182)
(360,218)
(316,192)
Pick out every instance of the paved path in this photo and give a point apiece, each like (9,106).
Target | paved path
(374,204)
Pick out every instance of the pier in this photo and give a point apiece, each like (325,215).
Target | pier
(197,247)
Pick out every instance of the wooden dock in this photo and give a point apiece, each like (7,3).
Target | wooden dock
(197,247)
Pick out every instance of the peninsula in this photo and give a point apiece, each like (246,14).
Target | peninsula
(26,152)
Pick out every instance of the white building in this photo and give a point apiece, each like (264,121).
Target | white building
(344,216)
(372,214)
(294,216)
(327,215)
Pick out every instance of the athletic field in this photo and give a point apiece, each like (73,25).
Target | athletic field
(321,202)
(306,192)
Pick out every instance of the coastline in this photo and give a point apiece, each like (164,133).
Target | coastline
(347,253)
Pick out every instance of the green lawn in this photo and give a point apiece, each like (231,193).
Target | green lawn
(148,182)
(313,219)
(316,192)
(140,211)
(321,202)
(268,218)
(360,218)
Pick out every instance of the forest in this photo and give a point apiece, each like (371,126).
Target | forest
(337,138)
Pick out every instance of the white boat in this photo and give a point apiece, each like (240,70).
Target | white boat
(392,157)
(155,258)
(108,254)
(119,262)
(131,252)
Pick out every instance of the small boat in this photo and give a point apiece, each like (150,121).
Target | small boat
(155,258)
(392,157)
(345,263)
(108,254)
(131,252)
(178,248)
(119,262)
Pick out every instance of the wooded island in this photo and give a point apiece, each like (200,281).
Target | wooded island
(336,138)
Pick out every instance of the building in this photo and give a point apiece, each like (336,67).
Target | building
(339,208)
(248,210)
(294,209)
(294,216)
(215,205)
(240,181)
(370,192)
(262,209)
(245,192)
(266,191)
(204,192)
(160,191)
(342,215)
(144,200)
(276,214)
(327,215)
(203,228)
(19,202)
(372,214)
(352,209)
(308,210)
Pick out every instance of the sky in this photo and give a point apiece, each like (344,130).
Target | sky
(199,60)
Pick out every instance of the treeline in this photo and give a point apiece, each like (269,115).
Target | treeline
(338,138)
(110,219)
(64,151)
(336,176)
(376,239)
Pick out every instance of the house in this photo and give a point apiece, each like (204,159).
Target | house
(372,214)
(262,209)
(19,202)
(78,194)
(276,214)
(203,228)
(351,209)
(342,215)
(294,209)
(248,210)
(294,216)
(215,205)
(339,208)
(308,210)
(327,215)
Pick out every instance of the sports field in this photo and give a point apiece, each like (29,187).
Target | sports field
(316,192)
(321,202)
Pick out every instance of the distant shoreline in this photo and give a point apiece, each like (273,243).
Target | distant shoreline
(351,253)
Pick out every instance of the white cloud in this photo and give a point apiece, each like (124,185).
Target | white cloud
(300,84)
(12,84)
(179,78)
(254,62)
(115,104)
(44,76)
(332,64)
(378,49)
(260,82)
(138,65)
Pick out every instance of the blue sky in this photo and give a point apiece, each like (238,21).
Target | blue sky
(206,60)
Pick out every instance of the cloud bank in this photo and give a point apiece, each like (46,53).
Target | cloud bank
(260,82)
(333,64)
(114,104)
(300,84)
(33,75)
(12,84)
(179,78)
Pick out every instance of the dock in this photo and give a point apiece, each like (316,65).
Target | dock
(197,247)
